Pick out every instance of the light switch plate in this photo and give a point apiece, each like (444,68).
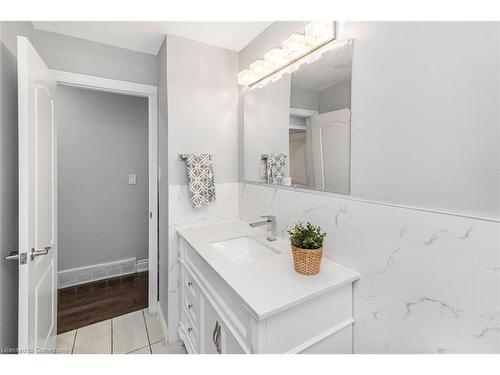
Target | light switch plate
(132,179)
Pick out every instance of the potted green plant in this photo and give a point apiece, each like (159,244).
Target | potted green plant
(307,247)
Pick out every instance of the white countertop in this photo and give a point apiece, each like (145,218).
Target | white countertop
(268,285)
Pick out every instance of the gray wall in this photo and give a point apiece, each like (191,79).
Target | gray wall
(202,117)
(425,114)
(202,106)
(329,99)
(9,177)
(82,56)
(335,97)
(425,117)
(102,137)
(298,121)
(163,183)
(303,98)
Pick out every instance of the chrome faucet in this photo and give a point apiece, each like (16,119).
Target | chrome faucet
(271,226)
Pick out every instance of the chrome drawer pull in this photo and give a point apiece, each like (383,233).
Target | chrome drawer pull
(215,332)
(216,337)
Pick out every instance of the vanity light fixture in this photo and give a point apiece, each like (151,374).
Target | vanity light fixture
(290,68)
(319,32)
(260,68)
(276,58)
(296,46)
(246,77)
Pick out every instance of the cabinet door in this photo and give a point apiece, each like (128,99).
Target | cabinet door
(211,329)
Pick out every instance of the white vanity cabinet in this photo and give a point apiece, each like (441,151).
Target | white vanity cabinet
(215,318)
(204,316)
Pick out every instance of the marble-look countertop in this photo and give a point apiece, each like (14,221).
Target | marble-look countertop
(267,286)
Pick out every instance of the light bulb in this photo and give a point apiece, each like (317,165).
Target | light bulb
(319,32)
(295,45)
(246,77)
(260,69)
(276,58)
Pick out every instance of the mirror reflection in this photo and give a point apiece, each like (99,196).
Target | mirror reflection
(297,129)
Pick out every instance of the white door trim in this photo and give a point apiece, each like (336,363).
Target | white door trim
(150,92)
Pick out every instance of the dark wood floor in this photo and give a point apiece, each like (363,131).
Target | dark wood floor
(85,304)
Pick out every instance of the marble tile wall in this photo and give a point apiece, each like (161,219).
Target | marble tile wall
(430,282)
(181,213)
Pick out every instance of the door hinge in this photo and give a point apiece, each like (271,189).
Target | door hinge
(150,215)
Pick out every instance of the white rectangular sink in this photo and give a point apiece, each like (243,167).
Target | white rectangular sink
(243,250)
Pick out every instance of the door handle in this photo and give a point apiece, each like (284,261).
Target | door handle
(37,253)
(13,255)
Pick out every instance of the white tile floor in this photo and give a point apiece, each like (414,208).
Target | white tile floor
(134,333)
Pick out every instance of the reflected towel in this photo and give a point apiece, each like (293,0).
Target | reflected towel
(275,168)
(201,180)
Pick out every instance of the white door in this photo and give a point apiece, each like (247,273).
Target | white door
(37,202)
(331,134)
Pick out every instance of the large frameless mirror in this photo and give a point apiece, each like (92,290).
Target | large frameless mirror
(297,129)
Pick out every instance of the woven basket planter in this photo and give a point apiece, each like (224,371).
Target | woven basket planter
(307,261)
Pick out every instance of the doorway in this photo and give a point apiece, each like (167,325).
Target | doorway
(97,224)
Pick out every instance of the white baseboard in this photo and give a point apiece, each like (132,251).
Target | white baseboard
(82,275)
(142,265)
(163,322)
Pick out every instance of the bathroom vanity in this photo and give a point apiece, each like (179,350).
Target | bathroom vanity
(240,294)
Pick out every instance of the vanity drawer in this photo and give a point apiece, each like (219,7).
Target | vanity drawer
(190,285)
(192,306)
(190,295)
(191,329)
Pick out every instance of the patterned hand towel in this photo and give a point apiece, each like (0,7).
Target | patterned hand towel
(201,181)
(275,168)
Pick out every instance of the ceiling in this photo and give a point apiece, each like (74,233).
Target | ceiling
(333,67)
(148,36)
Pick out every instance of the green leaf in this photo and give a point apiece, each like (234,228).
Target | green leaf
(306,236)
